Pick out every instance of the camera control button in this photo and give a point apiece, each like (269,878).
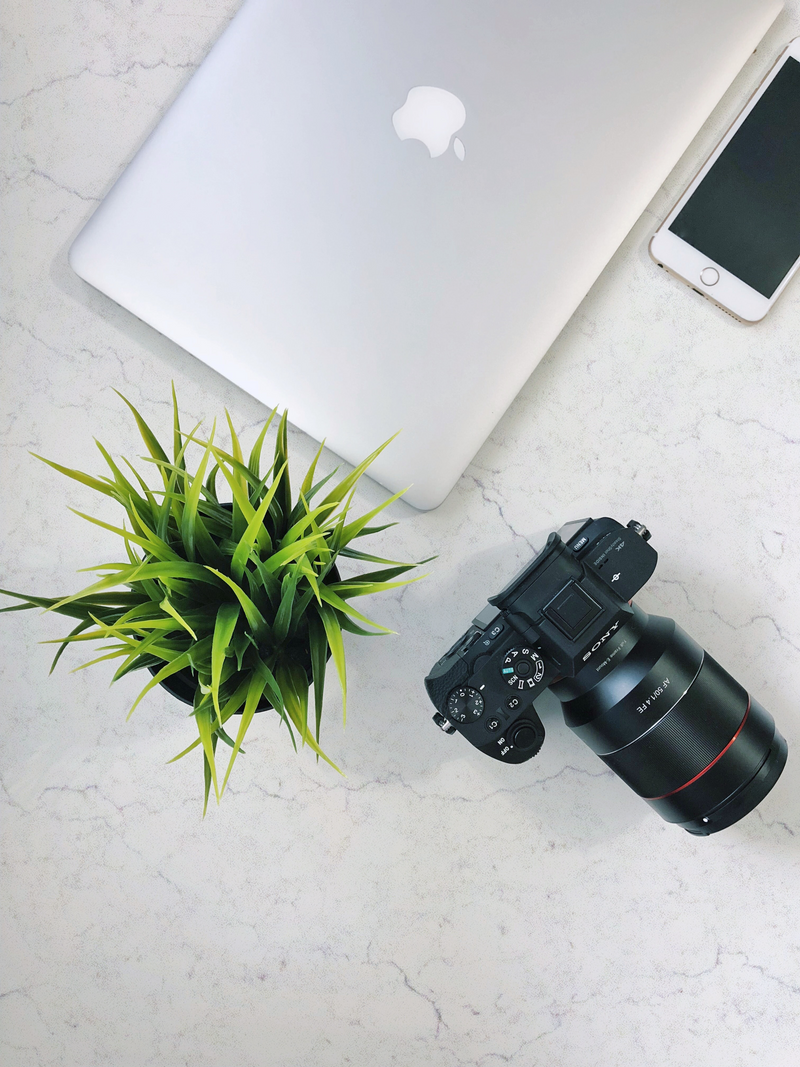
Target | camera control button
(512,703)
(522,668)
(491,634)
(493,724)
(465,704)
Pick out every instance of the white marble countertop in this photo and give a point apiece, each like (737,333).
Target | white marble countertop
(432,907)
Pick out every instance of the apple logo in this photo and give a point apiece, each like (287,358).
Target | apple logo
(432,116)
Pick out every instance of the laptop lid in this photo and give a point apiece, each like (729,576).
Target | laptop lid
(380,215)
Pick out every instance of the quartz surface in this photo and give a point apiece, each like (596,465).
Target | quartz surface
(432,907)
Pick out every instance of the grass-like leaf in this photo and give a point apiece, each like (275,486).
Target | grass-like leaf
(333,633)
(254,616)
(242,601)
(149,438)
(318,647)
(99,485)
(254,463)
(255,527)
(224,627)
(334,600)
(189,517)
(255,688)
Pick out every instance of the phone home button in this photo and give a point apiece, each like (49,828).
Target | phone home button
(709,276)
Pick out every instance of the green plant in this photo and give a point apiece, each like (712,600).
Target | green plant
(245,599)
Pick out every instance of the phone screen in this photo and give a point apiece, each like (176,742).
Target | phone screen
(745,213)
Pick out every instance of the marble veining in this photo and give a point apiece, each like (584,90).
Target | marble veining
(427,908)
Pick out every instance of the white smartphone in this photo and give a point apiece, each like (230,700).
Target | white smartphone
(734,235)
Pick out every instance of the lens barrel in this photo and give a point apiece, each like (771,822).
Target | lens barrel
(680,730)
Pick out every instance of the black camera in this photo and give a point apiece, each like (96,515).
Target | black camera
(656,708)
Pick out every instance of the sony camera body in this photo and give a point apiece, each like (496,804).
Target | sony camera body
(638,690)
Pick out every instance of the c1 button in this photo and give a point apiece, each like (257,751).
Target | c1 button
(709,276)
(493,724)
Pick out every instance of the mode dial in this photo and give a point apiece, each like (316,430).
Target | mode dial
(522,668)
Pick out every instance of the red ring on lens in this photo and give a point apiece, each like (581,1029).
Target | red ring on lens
(711,764)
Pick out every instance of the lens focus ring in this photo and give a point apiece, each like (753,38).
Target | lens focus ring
(675,726)
(685,741)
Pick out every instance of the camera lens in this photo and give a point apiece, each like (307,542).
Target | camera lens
(680,730)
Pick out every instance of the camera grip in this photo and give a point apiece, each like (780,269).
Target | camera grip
(439,688)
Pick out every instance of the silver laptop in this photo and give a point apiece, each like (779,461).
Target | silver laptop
(380,215)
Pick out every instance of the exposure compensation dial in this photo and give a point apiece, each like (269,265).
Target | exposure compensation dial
(465,704)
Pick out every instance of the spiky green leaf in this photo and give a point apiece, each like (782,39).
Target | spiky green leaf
(254,462)
(224,626)
(333,633)
(255,690)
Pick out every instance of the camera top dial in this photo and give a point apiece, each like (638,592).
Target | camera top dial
(465,704)
(522,668)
